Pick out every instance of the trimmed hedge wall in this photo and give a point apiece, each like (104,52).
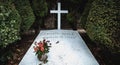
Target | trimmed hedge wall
(9,24)
(26,13)
(103,27)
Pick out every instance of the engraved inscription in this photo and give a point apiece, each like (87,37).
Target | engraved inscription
(69,35)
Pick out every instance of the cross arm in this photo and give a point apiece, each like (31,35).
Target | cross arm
(56,11)
(53,11)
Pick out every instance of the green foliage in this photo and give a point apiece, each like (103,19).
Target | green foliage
(76,4)
(102,24)
(9,24)
(40,7)
(70,17)
(5,56)
(26,13)
(85,13)
(9,29)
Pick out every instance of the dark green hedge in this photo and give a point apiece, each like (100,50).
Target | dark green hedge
(102,24)
(9,24)
(40,7)
(26,13)
(84,15)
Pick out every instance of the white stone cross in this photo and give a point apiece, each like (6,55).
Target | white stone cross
(59,11)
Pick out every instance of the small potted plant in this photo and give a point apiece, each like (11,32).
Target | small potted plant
(41,49)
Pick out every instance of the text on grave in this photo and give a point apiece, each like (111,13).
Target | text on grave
(70,35)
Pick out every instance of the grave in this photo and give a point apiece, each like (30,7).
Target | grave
(71,49)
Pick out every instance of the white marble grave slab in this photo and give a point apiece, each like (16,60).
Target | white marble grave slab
(71,49)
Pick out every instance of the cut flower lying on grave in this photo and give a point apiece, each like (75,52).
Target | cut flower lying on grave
(41,47)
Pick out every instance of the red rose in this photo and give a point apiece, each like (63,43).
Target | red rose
(42,49)
(41,45)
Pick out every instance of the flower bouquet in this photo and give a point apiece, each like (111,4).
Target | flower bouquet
(41,49)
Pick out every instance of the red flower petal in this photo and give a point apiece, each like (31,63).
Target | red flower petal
(42,49)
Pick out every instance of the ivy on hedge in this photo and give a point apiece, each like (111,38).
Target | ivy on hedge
(9,24)
(102,24)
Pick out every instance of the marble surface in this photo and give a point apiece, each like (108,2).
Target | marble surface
(71,49)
